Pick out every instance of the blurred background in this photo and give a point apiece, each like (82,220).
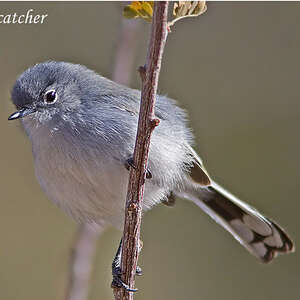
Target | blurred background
(236,70)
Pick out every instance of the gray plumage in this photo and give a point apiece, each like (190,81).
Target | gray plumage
(82,128)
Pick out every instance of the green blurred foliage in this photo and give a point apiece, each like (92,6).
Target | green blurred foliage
(236,70)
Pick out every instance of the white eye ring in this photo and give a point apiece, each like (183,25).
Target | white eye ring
(50,97)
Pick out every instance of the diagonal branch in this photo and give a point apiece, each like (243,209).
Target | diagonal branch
(147,123)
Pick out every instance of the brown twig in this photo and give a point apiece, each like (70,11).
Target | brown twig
(84,246)
(147,123)
(125,52)
(81,261)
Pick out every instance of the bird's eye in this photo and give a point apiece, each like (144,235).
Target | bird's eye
(50,97)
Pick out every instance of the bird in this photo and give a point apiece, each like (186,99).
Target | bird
(82,128)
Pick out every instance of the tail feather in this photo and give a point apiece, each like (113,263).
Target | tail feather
(259,235)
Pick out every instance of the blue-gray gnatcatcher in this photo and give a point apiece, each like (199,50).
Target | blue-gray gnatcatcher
(82,128)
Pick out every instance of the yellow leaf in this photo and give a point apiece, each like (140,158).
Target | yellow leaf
(139,9)
(130,13)
(147,8)
(136,4)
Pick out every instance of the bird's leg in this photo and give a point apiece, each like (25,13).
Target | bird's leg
(130,164)
(116,270)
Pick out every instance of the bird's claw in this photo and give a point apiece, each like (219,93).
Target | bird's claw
(138,271)
(130,164)
(117,273)
(148,174)
(118,282)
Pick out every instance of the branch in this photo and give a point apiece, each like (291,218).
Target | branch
(84,246)
(146,124)
(81,259)
(125,53)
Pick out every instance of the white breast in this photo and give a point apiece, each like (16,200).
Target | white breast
(87,185)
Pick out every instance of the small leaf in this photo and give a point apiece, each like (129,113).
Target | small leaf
(130,13)
(200,8)
(139,9)
(147,9)
(184,9)
(180,8)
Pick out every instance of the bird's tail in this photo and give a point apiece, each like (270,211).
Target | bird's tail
(259,235)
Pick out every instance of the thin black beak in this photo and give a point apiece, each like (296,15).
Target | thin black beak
(21,113)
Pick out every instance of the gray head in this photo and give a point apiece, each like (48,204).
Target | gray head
(51,89)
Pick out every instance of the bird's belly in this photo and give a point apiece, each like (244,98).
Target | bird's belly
(90,191)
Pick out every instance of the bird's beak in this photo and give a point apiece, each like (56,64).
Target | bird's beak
(21,113)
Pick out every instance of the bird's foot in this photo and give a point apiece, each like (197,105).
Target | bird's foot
(118,282)
(130,164)
(116,270)
(138,271)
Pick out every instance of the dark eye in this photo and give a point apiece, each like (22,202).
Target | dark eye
(50,97)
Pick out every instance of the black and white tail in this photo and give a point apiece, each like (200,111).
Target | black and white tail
(259,235)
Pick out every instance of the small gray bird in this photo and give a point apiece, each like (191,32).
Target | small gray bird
(82,127)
